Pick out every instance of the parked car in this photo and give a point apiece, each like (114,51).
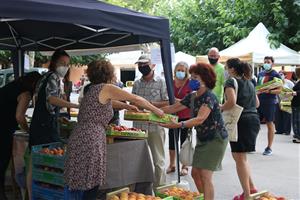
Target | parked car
(7,75)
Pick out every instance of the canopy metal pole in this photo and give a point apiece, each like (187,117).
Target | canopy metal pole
(167,66)
(18,62)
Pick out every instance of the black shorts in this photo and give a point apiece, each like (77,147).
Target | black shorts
(267,112)
(248,128)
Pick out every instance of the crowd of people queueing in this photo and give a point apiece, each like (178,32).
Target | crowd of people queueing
(199,91)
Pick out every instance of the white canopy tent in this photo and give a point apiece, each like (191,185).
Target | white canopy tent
(180,56)
(256,46)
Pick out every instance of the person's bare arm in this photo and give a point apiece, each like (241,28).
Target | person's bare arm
(61,102)
(121,105)
(111,92)
(275,91)
(23,103)
(202,115)
(230,99)
(257,101)
(160,104)
(174,108)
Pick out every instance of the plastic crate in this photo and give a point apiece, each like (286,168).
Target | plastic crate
(45,159)
(48,177)
(42,193)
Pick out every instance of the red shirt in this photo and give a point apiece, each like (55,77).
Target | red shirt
(180,93)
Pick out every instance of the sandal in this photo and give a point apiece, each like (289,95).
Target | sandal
(170,170)
(184,171)
(241,196)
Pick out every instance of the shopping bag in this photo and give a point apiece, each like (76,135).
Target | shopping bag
(232,116)
(187,151)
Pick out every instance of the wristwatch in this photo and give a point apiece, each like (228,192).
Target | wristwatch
(182,125)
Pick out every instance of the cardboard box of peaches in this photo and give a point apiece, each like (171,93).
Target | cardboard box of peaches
(177,193)
(149,117)
(125,194)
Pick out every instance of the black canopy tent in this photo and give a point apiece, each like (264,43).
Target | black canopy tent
(46,25)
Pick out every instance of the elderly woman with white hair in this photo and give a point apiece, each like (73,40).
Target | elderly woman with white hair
(181,89)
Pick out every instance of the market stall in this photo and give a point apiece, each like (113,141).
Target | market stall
(122,170)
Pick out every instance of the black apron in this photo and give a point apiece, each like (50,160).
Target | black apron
(44,125)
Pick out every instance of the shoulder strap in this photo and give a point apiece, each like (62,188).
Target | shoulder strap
(236,87)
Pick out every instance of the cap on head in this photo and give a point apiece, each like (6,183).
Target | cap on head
(143,59)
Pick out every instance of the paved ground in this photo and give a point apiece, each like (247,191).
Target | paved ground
(279,173)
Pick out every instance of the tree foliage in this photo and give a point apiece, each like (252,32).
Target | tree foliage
(197,25)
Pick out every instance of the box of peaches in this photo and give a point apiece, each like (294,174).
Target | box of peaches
(149,117)
(124,194)
(125,132)
(177,193)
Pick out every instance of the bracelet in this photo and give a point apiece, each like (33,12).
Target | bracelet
(182,125)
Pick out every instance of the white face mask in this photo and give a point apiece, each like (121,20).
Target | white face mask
(62,71)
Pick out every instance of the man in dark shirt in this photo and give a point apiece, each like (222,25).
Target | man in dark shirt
(296,108)
(268,100)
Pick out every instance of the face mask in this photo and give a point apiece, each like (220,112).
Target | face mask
(267,66)
(213,61)
(194,84)
(62,71)
(180,75)
(226,74)
(282,76)
(145,70)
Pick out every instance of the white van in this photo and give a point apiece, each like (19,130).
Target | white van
(7,75)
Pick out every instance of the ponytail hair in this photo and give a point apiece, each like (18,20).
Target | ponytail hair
(242,69)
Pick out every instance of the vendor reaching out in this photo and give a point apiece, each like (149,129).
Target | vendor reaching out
(44,125)
(85,166)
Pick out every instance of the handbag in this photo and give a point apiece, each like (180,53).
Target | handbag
(232,116)
(187,150)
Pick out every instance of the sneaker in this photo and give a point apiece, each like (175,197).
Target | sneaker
(296,140)
(267,152)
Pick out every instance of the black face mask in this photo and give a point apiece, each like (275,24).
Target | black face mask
(145,70)
(213,61)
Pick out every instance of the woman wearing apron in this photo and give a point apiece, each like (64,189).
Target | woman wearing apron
(44,125)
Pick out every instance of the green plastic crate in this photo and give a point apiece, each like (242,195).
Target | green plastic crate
(45,159)
(48,177)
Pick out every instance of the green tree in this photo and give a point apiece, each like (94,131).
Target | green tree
(197,25)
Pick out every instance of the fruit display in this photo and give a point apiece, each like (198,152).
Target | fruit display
(149,117)
(275,83)
(268,196)
(177,193)
(53,151)
(133,196)
(167,118)
(114,130)
(136,116)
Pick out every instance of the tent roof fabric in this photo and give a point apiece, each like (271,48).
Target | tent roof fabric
(257,44)
(75,24)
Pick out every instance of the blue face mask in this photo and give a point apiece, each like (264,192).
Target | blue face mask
(180,75)
(267,66)
(194,84)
